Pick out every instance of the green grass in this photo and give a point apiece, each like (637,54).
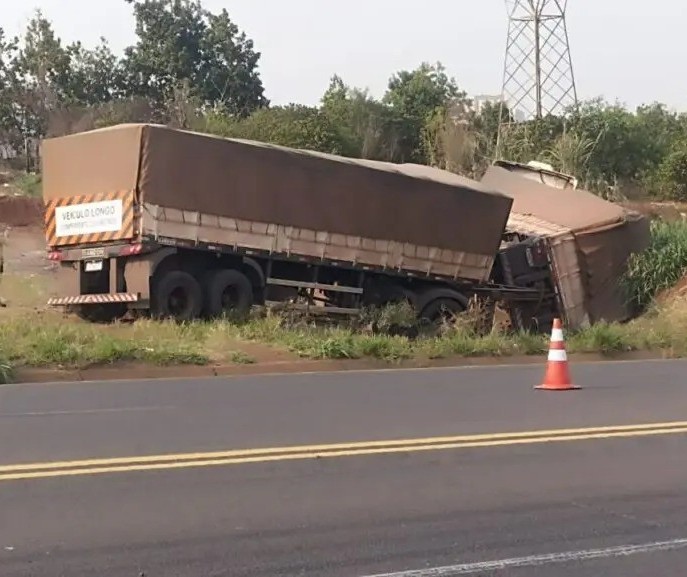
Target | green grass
(241,358)
(29,184)
(661,266)
(49,341)
(5,372)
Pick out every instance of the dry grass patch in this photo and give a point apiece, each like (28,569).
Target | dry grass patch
(23,293)
(48,340)
(6,372)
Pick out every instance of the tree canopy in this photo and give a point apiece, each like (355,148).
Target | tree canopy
(192,68)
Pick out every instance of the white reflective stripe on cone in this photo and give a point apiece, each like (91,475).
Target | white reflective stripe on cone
(557,355)
(557,335)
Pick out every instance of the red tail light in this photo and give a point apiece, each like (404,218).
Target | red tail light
(55,255)
(131,249)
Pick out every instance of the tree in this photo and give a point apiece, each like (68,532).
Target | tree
(618,152)
(414,97)
(168,48)
(670,179)
(229,71)
(487,123)
(192,68)
(57,87)
(365,124)
(9,84)
(418,93)
(42,69)
(452,144)
(95,76)
(178,42)
(295,126)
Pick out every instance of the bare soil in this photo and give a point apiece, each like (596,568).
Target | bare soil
(20,211)
(667,211)
(677,292)
(25,252)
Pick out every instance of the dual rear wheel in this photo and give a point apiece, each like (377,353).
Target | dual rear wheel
(181,296)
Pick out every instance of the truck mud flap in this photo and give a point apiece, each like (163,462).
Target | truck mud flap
(94,299)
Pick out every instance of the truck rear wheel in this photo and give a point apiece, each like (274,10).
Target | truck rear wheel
(102,313)
(227,292)
(177,295)
(441,310)
(440,305)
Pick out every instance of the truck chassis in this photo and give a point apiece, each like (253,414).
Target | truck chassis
(184,280)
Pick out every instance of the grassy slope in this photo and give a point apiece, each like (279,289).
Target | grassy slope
(53,342)
(40,339)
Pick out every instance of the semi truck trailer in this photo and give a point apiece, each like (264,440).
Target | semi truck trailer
(146,219)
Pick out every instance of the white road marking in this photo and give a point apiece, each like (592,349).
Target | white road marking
(538,560)
(85,411)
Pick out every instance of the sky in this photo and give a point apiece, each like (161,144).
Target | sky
(623,50)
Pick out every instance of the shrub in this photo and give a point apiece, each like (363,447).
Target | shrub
(661,266)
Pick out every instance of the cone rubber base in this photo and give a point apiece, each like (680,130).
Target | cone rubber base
(558,387)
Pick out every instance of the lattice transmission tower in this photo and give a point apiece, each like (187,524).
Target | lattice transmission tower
(538,77)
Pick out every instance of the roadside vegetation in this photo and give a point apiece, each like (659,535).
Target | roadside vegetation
(5,372)
(27,184)
(52,88)
(38,338)
(52,342)
(660,267)
(55,343)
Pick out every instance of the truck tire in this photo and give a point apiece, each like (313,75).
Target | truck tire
(382,292)
(227,291)
(440,309)
(104,313)
(177,295)
(436,304)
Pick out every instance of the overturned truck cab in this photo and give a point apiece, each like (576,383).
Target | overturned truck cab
(588,240)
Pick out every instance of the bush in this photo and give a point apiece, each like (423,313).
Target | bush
(671,176)
(662,265)
(29,184)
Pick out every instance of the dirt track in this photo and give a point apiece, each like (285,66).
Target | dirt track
(25,249)
(24,252)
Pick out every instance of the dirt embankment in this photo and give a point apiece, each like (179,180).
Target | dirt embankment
(20,211)
(666,211)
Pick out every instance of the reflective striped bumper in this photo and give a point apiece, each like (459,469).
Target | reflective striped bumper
(94,299)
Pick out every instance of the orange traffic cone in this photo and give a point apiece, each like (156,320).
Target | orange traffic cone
(557,376)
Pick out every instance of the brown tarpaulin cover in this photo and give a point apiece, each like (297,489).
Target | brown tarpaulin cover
(569,207)
(271,184)
(94,162)
(606,234)
(606,251)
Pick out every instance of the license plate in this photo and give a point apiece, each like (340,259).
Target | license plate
(93,252)
(94,266)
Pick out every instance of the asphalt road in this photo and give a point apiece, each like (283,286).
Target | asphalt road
(470,474)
